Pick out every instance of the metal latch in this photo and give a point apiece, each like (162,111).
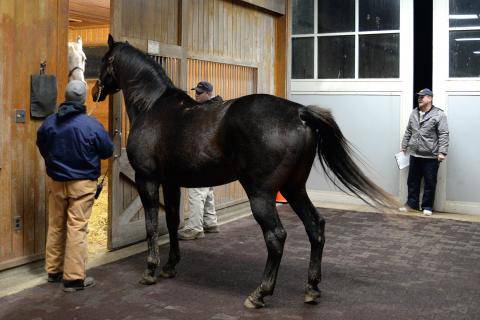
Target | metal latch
(20,116)
(17,223)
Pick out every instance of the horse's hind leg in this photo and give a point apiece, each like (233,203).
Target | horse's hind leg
(148,191)
(171,194)
(315,226)
(265,213)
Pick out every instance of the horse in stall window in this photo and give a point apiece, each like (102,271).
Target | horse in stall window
(265,142)
(76,61)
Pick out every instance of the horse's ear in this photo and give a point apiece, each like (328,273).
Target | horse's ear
(126,41)
(110,41)
(79,41)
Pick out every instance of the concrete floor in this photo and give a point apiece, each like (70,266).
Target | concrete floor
(376,266)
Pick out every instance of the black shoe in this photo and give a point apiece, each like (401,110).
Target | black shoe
(76,285)
(55,277)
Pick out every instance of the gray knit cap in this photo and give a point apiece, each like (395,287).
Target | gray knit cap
(76,91)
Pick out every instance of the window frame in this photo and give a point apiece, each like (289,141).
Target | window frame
(450,29)
(360,84)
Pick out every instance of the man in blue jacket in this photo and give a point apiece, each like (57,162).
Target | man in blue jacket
(72,144)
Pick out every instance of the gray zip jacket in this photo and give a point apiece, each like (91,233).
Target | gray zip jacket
(428,138)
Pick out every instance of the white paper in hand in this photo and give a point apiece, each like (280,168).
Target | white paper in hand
(403,160)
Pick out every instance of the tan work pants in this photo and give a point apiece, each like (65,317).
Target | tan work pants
(69,208)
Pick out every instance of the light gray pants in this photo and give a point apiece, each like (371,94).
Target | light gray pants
(202,209)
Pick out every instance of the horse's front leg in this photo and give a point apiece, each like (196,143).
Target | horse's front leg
(148,191)
(171,195)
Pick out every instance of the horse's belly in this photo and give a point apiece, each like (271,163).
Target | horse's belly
(202,176)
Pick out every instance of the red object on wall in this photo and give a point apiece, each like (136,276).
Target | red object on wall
(280,198)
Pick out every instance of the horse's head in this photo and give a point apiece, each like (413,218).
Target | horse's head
(107,83)
(76,60)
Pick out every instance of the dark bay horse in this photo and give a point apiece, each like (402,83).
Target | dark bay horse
(265,142)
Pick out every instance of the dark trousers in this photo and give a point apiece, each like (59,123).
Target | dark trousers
(426,169)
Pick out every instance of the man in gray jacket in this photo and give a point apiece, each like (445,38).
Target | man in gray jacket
(426,139)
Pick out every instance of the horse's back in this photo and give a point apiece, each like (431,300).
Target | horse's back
(264,135)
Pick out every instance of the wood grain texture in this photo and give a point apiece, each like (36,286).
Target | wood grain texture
(91,36)
(30,32)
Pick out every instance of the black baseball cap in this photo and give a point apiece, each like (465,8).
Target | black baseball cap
(425,92)
(203,86)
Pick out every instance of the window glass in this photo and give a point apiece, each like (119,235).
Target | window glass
(379,15)
(302,58)
(94,60)
(302,16)
(465,53)
(336,16)
(464,13)
(379,56)
(336,57)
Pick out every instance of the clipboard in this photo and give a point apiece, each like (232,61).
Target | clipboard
(402,159)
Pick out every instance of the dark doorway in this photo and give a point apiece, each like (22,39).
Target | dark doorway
(422,45)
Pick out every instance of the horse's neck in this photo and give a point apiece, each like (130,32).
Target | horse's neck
(141,91)
(77,75)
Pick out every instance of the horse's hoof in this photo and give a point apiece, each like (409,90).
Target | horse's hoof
(168,273)
(148,279)
(311,296)
(253,304)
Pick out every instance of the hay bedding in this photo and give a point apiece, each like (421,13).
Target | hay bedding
(98,223)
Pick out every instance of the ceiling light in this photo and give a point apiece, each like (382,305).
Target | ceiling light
(463,16)
(467,39)
(75,20)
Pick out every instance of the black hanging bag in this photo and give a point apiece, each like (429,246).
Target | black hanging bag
(43,94)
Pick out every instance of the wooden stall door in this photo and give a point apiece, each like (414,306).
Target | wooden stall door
(229,81)
(30,32)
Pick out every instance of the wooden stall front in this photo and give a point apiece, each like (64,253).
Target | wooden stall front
(238,46)
(30,32)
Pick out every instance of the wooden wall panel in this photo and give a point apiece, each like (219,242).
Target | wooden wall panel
(229,81)
(90,36)
(227,31)
(150,19)
(7,32)
(30,32)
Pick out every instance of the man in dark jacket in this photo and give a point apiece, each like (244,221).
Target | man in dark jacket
(426,139)
(72,144)
(203,217)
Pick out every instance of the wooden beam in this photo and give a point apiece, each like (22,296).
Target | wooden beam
(276,6)
(282,36)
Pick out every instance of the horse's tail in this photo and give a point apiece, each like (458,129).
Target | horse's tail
(335,153)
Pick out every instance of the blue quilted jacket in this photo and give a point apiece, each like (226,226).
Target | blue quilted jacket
(72,143)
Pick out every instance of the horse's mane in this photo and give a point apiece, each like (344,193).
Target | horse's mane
(149,81)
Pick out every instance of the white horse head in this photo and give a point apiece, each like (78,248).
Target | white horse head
(76,60)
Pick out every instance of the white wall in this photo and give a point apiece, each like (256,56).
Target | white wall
(371,123)
(463,163)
